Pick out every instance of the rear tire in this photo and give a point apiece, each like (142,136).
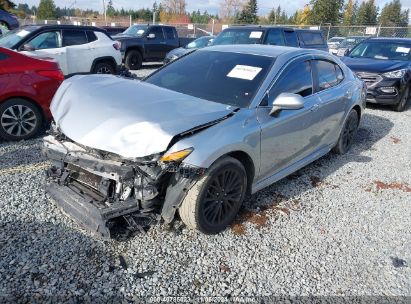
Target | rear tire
(214,201)
(348,133)
(133,60)
(104,68)
(19,119)
(403,102)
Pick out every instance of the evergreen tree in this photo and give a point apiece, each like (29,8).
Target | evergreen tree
(326,11)
(393,15)
(350,11)
(248,15)
(367,13)
(110,11)
(46,10)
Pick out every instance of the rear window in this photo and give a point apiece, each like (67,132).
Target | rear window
(291,38)
(310,38)
(74,37)
(223,77)
(275,37)
(239,36)
(91,36)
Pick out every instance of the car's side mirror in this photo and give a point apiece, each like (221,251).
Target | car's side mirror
(346,52)
(151,36)
(287,101)
(28,47)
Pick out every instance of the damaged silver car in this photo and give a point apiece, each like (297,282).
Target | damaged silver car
(198,135)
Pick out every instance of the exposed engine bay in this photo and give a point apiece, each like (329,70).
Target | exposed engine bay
(96,187)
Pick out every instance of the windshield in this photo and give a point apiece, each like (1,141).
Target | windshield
(199,43)
(348,42)
(239,36)
(382,50)
(10,39)
(227,78)
(136,30)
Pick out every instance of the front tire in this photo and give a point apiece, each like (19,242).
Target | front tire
(348,133)
(403,101)
(214,201)
(133,60)
(19,119)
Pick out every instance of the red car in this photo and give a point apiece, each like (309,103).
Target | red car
(27,86)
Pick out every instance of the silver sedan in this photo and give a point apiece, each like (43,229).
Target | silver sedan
(198,135)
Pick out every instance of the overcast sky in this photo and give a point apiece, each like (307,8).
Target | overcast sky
(211,6)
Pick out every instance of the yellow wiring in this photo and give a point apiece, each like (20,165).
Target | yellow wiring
(29,168)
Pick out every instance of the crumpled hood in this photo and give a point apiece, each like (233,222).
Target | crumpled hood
(374,65)
(127,117)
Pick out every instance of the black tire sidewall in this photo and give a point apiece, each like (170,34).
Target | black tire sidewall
(18,101)
(203,226)
(104,64)
(401,106)
(340,148)
(129,57)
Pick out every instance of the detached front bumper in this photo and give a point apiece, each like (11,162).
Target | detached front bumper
(95,191)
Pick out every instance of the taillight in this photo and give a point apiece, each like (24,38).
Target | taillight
(117,45)
(53,74)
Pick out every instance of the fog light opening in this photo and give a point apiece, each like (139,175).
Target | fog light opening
(388,90)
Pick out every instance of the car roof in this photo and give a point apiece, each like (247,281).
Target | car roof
(383,39)
(260,50)
(267,27)
(63,26)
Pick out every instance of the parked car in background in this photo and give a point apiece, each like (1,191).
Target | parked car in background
(192,46)
(77,49)
(348,44)
(385,66)
(144,43)
(27,86)
(114,30)
(7,22)
(197,145)
(310,39)
(333,44)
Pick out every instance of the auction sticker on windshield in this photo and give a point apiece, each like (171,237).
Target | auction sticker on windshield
(401,49)
(23,33)
(256,35)
(244,72)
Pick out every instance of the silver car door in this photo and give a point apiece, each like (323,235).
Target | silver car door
(290,136)
(334,94)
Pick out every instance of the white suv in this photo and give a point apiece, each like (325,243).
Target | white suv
(77,49)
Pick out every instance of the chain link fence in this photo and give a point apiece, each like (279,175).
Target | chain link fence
(214,28)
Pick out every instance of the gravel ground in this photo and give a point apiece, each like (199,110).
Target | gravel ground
(340,226)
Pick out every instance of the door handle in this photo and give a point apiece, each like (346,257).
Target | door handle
(314,108)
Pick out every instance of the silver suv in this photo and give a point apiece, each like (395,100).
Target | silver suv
(197,145)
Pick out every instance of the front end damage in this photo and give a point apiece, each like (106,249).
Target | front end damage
(96,187)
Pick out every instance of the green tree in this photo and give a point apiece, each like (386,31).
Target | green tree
(350,11)
(367,13)
(6,5)
(393,15)
(278,16)
(46,10)
(110,10)
(248,14)
(325,11)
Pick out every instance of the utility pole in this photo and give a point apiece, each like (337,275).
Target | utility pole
(104,12)
(154,16)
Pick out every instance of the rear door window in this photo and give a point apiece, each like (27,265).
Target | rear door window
(297,80)
(169,33)
(157,31)
(74,37)
(291,38)
(311,38)
(328,74)
(275,37)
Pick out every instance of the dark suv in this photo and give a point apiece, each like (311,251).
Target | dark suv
(8,20)
(309,39)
